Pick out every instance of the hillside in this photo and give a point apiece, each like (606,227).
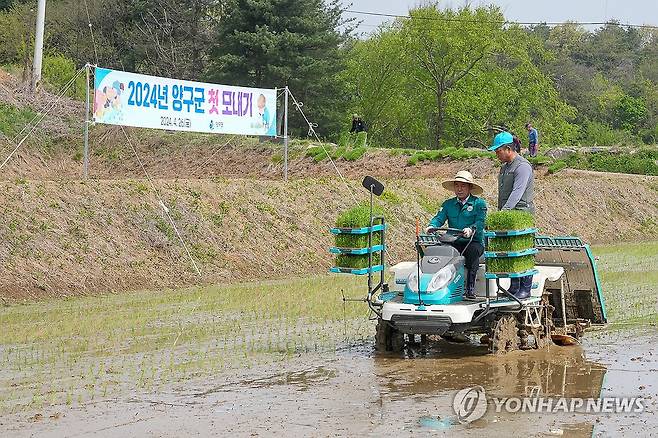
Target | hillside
(64,235)
(78,237)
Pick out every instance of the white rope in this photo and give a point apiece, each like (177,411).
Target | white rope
(40,118)
(311,130)
(213,154)
(162,204)
(61,93)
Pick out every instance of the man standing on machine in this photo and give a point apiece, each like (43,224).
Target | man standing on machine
(466,212)
(515,192)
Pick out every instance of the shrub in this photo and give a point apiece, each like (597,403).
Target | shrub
(557,166)
(354,154)
(58,70)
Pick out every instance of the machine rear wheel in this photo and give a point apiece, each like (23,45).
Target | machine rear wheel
(505,335)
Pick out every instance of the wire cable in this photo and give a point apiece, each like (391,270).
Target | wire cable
(521,23)
(311,130)
(91,31)
(39,118)
(162,204)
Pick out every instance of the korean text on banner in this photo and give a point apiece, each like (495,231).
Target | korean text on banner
(131,99)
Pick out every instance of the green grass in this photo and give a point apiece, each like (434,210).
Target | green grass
(511,264)
(81,349)
(509,220)
(642,162)
(13,119)
(451,153)
(629,279)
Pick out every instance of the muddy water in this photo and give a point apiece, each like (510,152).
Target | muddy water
(357,392)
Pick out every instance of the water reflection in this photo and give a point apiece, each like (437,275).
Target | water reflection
(556,371)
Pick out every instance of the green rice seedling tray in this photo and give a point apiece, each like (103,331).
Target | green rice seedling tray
(507,233)
(362,230)
(362,271)
(493,275)
(359,261)
(505,254)
(504,244)
(356,251)
(509,264)
(357,240)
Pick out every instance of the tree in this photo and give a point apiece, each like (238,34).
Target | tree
(278,43)
(447,45)
(443,77)
(165,38)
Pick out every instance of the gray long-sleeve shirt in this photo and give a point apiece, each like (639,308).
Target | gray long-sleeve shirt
(522,176)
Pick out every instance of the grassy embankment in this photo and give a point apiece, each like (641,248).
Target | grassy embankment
(80,349)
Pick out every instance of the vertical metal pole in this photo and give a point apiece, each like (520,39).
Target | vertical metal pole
(86,146)
(285,136)
(38,44)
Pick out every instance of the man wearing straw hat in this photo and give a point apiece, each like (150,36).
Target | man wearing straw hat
(466,211)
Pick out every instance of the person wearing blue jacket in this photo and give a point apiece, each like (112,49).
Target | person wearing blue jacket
(533,140)
(466,212)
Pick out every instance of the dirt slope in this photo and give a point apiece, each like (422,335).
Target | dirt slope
(75,237)
(62,236)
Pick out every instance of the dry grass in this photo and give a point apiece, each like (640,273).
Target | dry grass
(75,237)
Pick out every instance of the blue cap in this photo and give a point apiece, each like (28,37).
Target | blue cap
(501,140)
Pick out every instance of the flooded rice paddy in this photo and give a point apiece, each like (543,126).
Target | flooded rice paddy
(290,357)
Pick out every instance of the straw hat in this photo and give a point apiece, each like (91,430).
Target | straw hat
(465,177)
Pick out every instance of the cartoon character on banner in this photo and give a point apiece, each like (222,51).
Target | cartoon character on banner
(264,122)
(107,102)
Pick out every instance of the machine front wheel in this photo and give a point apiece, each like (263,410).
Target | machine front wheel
(388,338)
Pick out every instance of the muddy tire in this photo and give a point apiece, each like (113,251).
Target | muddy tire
(387,338)
(397,341)
(505,336)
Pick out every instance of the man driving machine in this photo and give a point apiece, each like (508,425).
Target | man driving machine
(466,212)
